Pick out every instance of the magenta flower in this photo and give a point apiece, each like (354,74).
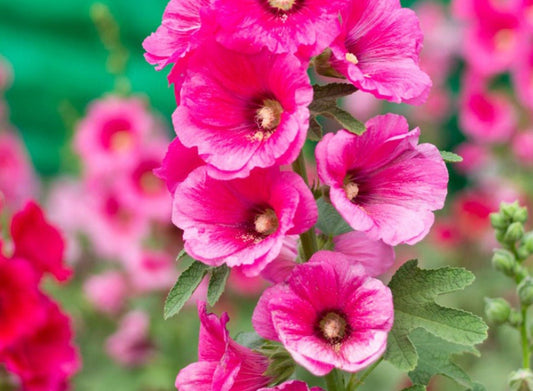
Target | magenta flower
(382,182)
(293,385)
(328,314)
(259,119)
(378,51)
(242,222)
(522,73)
(222,363)
(282,26)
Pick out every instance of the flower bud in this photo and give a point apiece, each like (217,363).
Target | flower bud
(527,242)
(515,318)
(508,210)
(525,291)
(514,233)
(520,215)
(504,261)
(521,380)
(281,365)
(498,221)
(497,310)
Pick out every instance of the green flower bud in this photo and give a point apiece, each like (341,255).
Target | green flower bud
(498,221)
(515,318)
(514,233)
(527,242)
(508,210)
(522,251)
(281,365)
(497,310)
(520,215)
(521,380)
(504,261)
(525,291)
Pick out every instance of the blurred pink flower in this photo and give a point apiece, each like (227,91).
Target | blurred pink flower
(293,385)
(328,314)
(522,73)
(523,147)
(151,271)
(384,183)
(130,345)
(245,286)
(222,363)
(242,222)
(475,157)
(107,292)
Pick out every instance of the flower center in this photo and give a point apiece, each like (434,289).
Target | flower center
(282,5)
(121,141)
(351,189)
(150,183)
(269,115)
(266,223)
(352,58)
(333,327)
(504,39)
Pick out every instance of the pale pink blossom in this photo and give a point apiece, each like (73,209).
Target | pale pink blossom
(475,157)
(523,147)
(151,271)
(107,292)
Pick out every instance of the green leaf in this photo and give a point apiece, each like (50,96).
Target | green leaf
(315,130)
(217,283)
(450,157)
(435,356)
(414,292)
(181,254)
(251,340)
(330,222)
(345,119)
(333,90)
(187,283)
(416,387)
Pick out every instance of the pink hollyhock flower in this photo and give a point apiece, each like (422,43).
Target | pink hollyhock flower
(46,359)
(39,242)
(475,157)
(378,51)
(178,163)
(280,268)
(111,132)
(328,314)
(522,73)
(107,291)
(130,345)
(142,190)
(259,120)
(293,385)
(18,183)
(446,234)
(382,182)
(151,271)
(523,147)
(242,222)
(21,310)
(281,26)
(222,363)
(485,116)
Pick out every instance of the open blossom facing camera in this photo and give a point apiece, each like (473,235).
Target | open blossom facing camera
(328,314)
(242,222)
(244,111)
(378,51)
(222,363)
(384,183)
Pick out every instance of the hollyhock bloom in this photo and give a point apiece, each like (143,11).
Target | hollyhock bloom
(242,222)
(46,359)
(293,385)
(474,156)
(151,270)
(378,51)
(21,309)
(257,120)
(130,345)
(382,182)
(111,132)
(178,163)
(222,363)
(280,268)
(328,314)
(522,73)
(523,147)
(485,116)
(39,242)
(107,291)
(18,183)
(281,26)
(446,234)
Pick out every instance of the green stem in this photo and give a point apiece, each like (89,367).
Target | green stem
(525,340)
(334,381)
(308,239)
(363,377)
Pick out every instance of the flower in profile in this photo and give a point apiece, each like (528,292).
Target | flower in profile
(378,51)
(258,119)
(382,182)
(281,26)
(242,222)
(222,363)
(39,242)
(293,385)
(328,314)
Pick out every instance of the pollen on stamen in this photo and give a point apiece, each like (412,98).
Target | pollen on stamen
(282,5)
(266,223)
(333,327)
(352,58)
(352,190)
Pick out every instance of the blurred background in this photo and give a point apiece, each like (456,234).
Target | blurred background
(66,67)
